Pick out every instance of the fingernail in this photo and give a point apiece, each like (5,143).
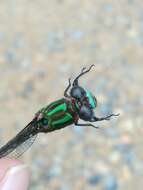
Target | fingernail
(16,178)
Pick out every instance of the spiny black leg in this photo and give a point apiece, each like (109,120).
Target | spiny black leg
(86,124)
(83,71)
(94,119)
(66,90)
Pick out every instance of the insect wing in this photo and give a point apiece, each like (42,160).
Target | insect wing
(17,152)
(21,142)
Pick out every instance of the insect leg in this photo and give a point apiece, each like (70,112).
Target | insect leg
(66,90)
(83,71)
(86,124)
(94,119)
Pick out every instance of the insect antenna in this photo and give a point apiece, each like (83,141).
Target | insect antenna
(83,71)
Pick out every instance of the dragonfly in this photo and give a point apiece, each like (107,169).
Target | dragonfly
(77,104)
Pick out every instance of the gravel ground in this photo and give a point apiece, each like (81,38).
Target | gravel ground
(42,44)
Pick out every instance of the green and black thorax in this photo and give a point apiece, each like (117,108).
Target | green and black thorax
(58,114)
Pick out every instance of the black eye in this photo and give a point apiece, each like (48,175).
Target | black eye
(85,113)
(77,92)
(44,121)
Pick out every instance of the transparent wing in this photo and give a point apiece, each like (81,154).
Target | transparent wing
(17,152)
(21,142)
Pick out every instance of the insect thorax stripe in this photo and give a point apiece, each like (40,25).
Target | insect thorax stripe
(63,120)
(58,108)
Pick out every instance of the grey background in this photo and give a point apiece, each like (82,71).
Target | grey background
(42,44)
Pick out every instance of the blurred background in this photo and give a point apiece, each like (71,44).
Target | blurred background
(42,44)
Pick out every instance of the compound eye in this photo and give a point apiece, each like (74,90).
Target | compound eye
(85,113)
(77,92)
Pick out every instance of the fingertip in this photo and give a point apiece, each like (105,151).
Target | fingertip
(14,175)
(6,163)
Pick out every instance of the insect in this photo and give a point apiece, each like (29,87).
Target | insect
(77,103)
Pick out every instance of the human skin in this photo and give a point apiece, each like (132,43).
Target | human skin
(14,175)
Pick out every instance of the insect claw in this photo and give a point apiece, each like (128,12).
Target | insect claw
(91,67)
(116,114)
(83,69)
(109,116)
(96,127)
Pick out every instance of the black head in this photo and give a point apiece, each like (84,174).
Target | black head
(85,101)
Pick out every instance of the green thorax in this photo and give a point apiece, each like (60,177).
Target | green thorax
(59,114)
